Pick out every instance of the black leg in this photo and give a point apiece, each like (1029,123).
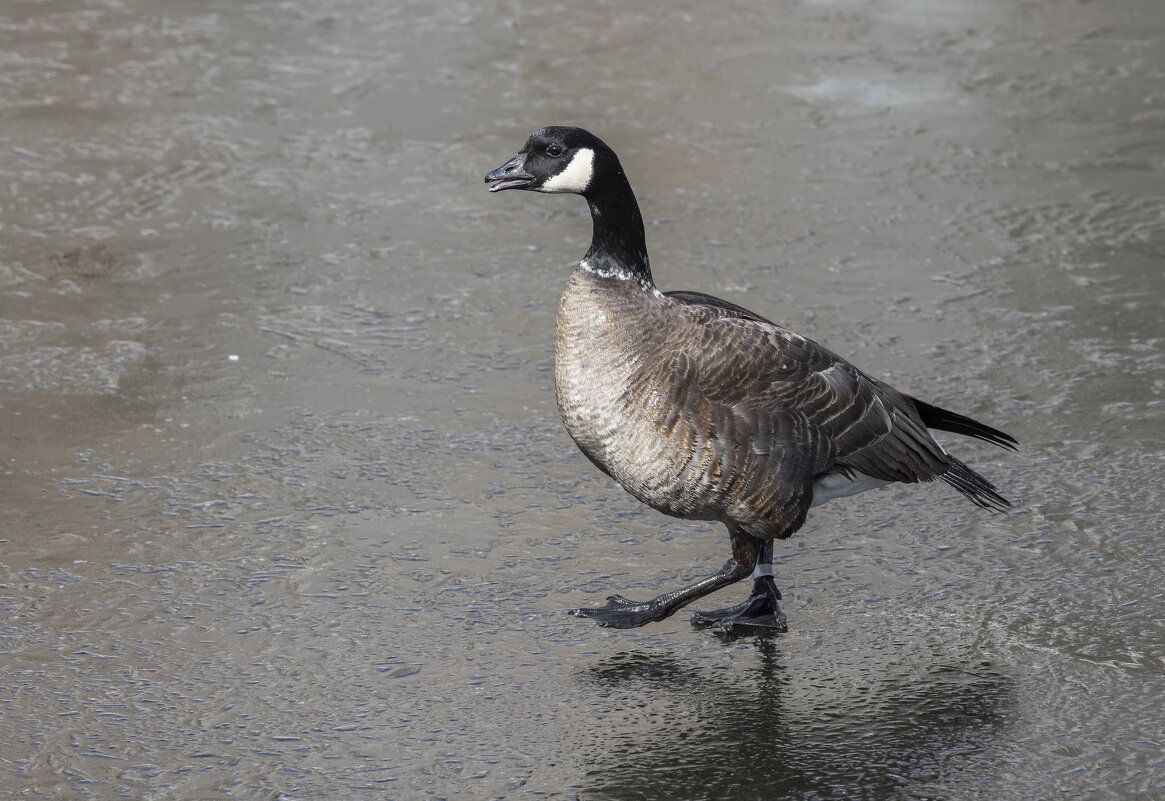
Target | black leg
(761,610)
(622,613)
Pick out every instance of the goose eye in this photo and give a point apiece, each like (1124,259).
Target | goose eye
(554,150)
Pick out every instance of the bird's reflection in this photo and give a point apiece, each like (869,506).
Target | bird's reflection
(676,729)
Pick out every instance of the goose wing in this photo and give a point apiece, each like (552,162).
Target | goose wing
(848,421)
(763,371)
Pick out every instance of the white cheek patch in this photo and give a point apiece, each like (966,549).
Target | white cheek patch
(576,177)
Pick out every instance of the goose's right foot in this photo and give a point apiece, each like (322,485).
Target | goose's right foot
(761,610)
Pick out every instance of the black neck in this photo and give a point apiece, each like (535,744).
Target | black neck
(618,248)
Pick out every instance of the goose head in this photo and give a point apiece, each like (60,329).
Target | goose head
(557,159)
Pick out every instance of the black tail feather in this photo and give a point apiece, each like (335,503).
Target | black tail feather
(946,420)
(975,487)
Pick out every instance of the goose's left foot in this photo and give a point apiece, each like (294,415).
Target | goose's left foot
(761,610)
(623,613)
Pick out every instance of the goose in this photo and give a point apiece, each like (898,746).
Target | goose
(705,410)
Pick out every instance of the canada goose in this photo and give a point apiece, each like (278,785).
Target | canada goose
(707,411)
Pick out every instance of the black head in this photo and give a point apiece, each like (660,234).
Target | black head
(557,159)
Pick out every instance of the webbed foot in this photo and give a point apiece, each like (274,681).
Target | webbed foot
(761,610)
(622,613)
